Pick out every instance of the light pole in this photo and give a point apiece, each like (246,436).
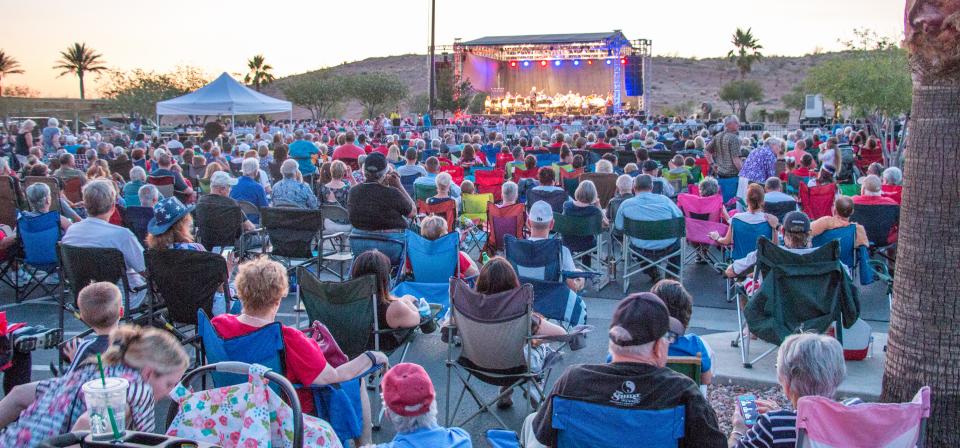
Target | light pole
(433,28)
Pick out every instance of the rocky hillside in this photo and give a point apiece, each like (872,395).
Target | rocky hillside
(675,80)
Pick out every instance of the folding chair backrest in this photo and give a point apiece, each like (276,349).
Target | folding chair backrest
(218,225)
(822,422)
(445,209)
(489,182)
(577,226)
(701,208)
(493,328)
(424,191)
(817,201)
(625,158)
(615,427)
(136,219)
(539,260)
(663,229)
(52,182)
(475,206)
(546,159)
(779,209)
(745,237)
(291,230)
(433,261)
(894,192)
(455,172)
(347,309)
(677,180)
(121,167)
(846,236)
(503,221)
(407,182)
(71,189)
(606,184)
(555,198)
(85,265)
(502,160)
(661,157)
(38,236)
(186,280)
(252,212)
(689,366)
(163,183)
(263,346)
(8,201)
(877,220)
(728,187)
(519,173)
(849,189)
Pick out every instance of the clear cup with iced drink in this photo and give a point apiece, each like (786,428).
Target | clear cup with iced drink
(104,398)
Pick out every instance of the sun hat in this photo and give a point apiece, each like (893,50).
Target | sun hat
(166,213)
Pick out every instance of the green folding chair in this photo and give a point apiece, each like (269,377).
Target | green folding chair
(673,228)
(582,226)
(422,192)
(689,366)
(677,180)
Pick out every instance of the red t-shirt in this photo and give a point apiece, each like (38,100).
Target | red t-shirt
(302,356)
(348,151)
(382,150)
(601,145)
(464,264)
(873,200)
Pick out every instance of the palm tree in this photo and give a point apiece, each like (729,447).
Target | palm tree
(923,338)
(259,72)
(8,66)
(80,60)
(746,50)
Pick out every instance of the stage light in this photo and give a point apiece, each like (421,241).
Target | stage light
(513,64)
(576,62)
(557,63)
(623,61)
(526,63)
(609,61)
(589,61)
(543,63)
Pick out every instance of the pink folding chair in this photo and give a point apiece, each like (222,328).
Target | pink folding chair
(824,423)
(702,215)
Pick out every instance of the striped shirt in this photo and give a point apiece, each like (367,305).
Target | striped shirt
(777,429)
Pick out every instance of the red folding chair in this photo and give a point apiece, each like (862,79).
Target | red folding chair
(702,215)
(72,189)
(503,159)
(525,174)
(868,156)
(456,173)
(490,182)
(446,209)
(704,165)
(502,221)
(817,202)
(163,183)
(894,192)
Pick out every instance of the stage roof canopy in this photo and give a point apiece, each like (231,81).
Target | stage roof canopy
(547,39)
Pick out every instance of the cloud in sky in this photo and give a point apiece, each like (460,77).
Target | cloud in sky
(302,35)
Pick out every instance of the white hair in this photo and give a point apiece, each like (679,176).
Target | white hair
(731,119)
(53,123)
(138,173)
(509,191)
(586,192)
(403,424)
(250,167)
(774,141)
(99,197)
(629,350)
(811,365)
(289,168)
(148,194)
(624,183)
(893,176)
(443,181)
(604,166)
(38,196)
(871,185)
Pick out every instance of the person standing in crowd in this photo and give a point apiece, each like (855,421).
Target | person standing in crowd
(723,151)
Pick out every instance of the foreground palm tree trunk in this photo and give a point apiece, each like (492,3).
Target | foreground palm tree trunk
(924,344)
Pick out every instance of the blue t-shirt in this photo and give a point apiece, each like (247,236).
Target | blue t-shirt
(690,345)
(249,190)
(437,436)
(302,151)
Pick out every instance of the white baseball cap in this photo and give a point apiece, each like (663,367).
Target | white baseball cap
(541,212)
(222,179)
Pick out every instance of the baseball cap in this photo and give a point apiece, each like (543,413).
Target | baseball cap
(407,390)
(222,179)
(540,211)
(642,318)
(375,163)
(796,222)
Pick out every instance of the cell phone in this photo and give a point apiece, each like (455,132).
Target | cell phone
(227,254)
(748,409)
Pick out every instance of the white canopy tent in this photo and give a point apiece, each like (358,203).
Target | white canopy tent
(223,96)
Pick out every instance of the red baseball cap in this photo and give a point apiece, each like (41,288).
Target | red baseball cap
(407,390)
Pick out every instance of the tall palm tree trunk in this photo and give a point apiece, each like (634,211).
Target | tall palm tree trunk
(81,85)
(924,339)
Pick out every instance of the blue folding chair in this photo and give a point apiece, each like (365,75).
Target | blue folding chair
(394,249)
(538,263)
(546,159)
(407,182)
(136,219)
(38,237)
(432,263)
(728,187)
(745,237)
(338,404)
(854,258)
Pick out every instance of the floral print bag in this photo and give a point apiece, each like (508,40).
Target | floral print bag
(245,415)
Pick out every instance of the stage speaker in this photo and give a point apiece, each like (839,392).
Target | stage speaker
(633,76)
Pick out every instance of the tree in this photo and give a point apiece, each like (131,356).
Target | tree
(20,92)
(924,336)
(746,50)
(8,66)
(740,94)
(377,92)
(320,93)
(478,103)
(450,97)
(80,60)
(419,103)
(795,99)
(137,92)
(259,73)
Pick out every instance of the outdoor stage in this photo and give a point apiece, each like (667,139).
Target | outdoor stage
(588,73)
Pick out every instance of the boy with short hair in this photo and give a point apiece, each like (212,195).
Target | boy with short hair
(101,309)
(680,305)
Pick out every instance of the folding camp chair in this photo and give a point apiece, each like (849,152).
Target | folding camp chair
(555,198)
(849,189)
(503,221)
(880,222)
(666,229)
(294,234)
(490,182)
(424,191)
(394,249)
(822,422)
(72,189)
(581,227)
(661,157)
(264,346)
(817,202)
(407,182)
(52,182)
(677,180)
(728,188)
(689,366)
(85,265)
(163,183)
(475,210)
(38,237)
(455,172)
(546,159)
(702,215)
(519,174)
(606,184)
(894,192)
(252,212)
(625,158)
(219,227)
(121,167)
(445,209)
(779,209)
(502,160)
(539,264)
(798,292)
(745,237)
(9,201)
(432,263)
(182,282)
(136,219)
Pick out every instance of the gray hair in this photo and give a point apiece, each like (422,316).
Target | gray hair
(871,185)
(289,168)
(509,191)
(137,173)
(731,120)
(893,176)
(403,424)
(38,196)
(27,124)
(774,141)
(53,122)
(643,182)
(604,166)
(148,194)
(443,181)
(630,350)
(811,365)
(709,186)
(250,167)
(99,197)
(624,183)
(164,159)
(586,192)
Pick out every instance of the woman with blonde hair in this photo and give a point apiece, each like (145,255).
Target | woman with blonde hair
(432,228)
(150,360)
(393,154)
(336,191)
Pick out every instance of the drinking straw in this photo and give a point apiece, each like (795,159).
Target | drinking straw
(113,420)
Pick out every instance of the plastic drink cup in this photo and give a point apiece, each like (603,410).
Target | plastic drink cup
(104,400)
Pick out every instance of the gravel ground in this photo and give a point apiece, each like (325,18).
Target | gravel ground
(722,399)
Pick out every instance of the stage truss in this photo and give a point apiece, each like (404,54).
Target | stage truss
(613,48)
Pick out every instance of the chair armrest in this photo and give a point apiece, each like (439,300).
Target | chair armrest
(579,274)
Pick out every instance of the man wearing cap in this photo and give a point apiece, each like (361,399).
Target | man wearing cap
(796,239)
(219,199)
(871,192)
(379,205)
(408,402)
(540,222)
(641,332)
(652,169)
(648,206)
